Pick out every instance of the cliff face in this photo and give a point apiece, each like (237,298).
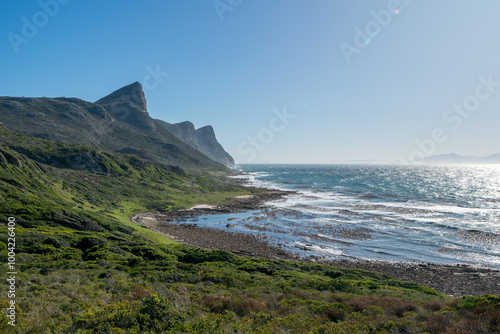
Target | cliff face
(118,122)
(202,139)
(208,143)
(185,131)
(128,104)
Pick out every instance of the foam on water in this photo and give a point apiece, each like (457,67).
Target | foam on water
(442,214)
(319,249)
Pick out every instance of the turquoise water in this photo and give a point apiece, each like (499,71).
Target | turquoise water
(438,214)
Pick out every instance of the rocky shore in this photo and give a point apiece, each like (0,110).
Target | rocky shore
(456,281)
(210,238)
(452,280)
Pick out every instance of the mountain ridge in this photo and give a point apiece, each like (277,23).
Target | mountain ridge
(203,139)
(454,158)
(118,122)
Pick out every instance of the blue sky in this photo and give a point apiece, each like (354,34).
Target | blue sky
(237,64)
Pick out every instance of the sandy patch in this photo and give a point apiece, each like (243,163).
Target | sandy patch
(203,206)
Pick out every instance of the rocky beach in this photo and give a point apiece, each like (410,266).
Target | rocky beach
(453,280)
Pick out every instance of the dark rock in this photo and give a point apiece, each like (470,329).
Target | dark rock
(202,139)
(128,104)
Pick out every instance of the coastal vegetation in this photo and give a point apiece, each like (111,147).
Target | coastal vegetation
(84,267)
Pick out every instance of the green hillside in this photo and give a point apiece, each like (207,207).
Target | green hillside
(83,267)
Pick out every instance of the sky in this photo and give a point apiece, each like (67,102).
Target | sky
(281,81)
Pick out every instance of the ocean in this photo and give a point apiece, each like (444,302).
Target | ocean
(431,214)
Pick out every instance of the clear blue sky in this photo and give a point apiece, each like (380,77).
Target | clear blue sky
(267,55)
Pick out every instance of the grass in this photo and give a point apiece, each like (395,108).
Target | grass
(123,216)
(84,267)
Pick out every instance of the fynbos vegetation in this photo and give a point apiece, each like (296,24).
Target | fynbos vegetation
(83,267)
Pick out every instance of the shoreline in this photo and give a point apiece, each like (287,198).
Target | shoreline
(453,280)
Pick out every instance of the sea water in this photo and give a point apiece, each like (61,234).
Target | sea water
(432,214)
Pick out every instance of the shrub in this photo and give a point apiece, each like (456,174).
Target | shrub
(88,242)
(334,314)
(467,302)
(370,285)
(401,307)
(115,315)
(198,255)
(357,305)
(333,274)
(72,219)
(150,253)
(434,306)
(158,314)
(412,286)
(41,249)
(437,323)
(241,306)
(341,285)
(253,266)
(333,311)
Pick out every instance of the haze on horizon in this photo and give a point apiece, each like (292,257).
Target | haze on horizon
(288,81)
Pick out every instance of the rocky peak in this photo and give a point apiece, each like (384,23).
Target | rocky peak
(132,94)
(209,145)
(202,139)
(206,134)
(186,126)
(128,104)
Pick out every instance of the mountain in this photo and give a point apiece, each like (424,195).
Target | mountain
(451,158)
(118,122)
(454,158)
(128,104)
(211,147)
(494,158)
(202,139)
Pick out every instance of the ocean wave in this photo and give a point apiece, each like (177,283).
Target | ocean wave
(410,217)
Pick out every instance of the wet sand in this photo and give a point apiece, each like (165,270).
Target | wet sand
(452,280)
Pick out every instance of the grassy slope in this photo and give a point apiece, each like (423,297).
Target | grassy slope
(83,266)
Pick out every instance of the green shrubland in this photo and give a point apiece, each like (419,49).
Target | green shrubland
(83,267)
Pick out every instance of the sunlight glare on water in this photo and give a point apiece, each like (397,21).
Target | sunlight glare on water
(441,214)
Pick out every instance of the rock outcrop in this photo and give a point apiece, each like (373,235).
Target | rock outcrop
(202,139)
